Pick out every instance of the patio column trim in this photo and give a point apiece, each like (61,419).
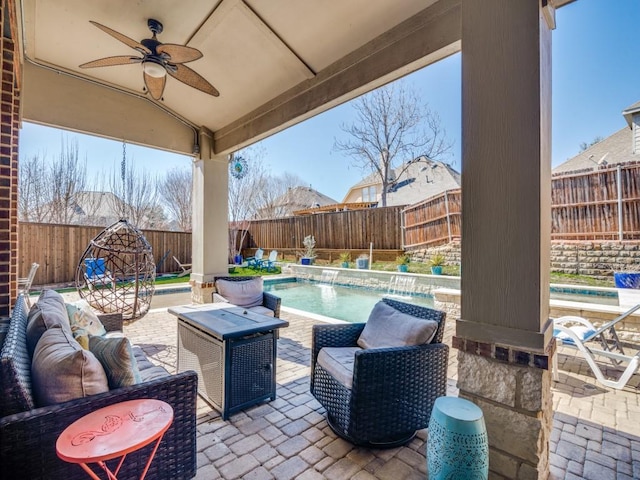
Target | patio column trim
(503,336)
(210,219)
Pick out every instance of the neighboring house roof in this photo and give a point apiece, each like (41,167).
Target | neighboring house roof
(422,179)
(97,205)
(615,149)
(296,198)
(612,150)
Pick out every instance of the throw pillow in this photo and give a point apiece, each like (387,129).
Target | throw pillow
(48,312)
(388,327)
(84,322)
(245,293)
(61,370)
(117,359)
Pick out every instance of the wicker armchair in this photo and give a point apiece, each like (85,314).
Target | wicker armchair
(270,301)
(393,389)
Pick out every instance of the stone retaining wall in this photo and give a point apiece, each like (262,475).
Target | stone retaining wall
(594,258)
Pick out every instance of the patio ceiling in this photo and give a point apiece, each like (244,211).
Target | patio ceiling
(274,62)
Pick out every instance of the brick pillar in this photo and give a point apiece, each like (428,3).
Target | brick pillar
(9,128)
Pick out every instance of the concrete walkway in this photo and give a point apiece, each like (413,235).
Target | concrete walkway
(596,432)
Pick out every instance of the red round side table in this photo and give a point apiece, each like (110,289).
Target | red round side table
(113,432)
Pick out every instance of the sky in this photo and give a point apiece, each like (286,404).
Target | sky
(596,75)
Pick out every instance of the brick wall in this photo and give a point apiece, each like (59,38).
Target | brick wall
(9,128)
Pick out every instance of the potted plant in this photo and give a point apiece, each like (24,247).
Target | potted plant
(627,280)
(403,262)
(345,258)
(309,254)
(437,262)
(362,262)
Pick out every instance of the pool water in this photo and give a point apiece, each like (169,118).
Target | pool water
(351,304)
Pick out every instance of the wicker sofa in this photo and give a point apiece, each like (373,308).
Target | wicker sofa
(378,393)
(28,438)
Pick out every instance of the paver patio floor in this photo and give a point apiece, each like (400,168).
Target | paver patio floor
(596,431)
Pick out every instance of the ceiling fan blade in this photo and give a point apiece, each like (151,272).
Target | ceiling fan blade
(193,79)
(179,53)
(155,85)
(109,61)
(123,38)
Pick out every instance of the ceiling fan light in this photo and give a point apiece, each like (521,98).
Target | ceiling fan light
(154,69)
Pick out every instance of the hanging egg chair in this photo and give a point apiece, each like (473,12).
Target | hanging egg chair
(116,272)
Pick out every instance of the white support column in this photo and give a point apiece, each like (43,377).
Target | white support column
(503,335)
(210,220)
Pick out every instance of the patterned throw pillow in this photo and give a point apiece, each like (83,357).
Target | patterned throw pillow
(84,322)
(117,359)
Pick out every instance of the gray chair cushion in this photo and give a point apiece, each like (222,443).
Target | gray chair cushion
(62,370)
(338,361)
(388,327)
(247,293)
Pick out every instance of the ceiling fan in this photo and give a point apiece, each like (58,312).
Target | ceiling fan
(157,60)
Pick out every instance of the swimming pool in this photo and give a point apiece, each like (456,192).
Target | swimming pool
(351,304)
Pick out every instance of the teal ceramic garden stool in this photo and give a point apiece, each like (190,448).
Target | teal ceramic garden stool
(457,447)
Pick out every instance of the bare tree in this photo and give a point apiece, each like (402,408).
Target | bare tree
(585,145)
(244,196)
(176,195)
(136,196)
(392,126)
(68,177)
(33,189)
(271,189)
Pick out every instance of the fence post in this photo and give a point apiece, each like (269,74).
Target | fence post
(620,216)
(402,228)
(446,206)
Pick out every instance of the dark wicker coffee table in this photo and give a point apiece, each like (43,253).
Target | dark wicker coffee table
(234,352)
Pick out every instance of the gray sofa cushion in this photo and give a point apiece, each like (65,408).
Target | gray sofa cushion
(246,293)
(50,311)
(148,371)
(338,361)
(62,370)
(388,327)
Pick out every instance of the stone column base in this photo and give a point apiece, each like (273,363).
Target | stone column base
(201,292)
(517,404)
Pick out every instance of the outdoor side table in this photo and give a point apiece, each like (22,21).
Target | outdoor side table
(113,432)
(457,445)
(233,350)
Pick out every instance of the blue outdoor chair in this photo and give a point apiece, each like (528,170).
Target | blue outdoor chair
(270,263)
(256,261)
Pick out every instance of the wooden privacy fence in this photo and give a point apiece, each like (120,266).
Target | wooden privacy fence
(434,221)
(58,248)
(599,205)
(346,230)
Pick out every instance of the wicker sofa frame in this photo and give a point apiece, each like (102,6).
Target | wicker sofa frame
(270,301)
(27,439)
(393,389)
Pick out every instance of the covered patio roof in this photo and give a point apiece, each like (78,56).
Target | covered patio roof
(274,63)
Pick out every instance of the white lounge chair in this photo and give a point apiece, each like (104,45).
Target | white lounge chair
(24,284)
(186,267)
(579,333)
